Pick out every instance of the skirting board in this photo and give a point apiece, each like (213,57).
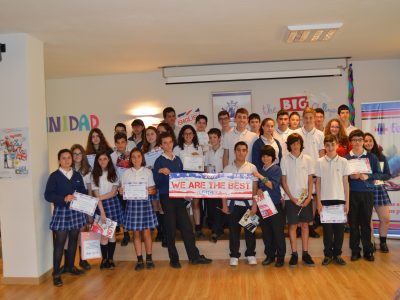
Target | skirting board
(27,280)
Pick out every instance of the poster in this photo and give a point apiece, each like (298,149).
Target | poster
(13,152)
(382,119)
(231,102)
(187,117)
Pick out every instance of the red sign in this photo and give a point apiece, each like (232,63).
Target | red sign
(298,103)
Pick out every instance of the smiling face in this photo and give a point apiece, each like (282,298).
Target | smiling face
(268,128)
(267,160)
(294,122)
(188,136)
(136,159)
(344,116)
(334,128)
(241,153)
(224,121)
(151,136)
(357,143)
(167,144)
(241,121)
(368,143)
(77,156)
(309,120)
(103,161)
(201,125)
(65,161)
(214,140)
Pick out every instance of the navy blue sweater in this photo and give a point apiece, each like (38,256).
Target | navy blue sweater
(161,180)
(274,174)
(58,186)
(358,185)
(256,152)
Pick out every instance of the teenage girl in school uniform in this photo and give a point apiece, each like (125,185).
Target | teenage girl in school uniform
(105,187)
(96,142)
(139,214)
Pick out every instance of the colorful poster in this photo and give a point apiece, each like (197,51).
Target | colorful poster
(231,102)
(382,119)
(208,185)
(187,117)
(13,152)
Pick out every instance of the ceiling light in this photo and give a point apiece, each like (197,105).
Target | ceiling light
(312,32)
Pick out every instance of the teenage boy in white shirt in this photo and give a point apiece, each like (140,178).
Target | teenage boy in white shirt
(319,119)
(224,120)
(255,123)
(282,131)
(344,114)
(201,125)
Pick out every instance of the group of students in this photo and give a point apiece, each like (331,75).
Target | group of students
(287,161)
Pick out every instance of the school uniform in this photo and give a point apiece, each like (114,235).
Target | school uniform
(231,138)
(313,141)
(139,214)
(259,144)
(121,164)
(282,136)
(331,172)
(381,196)
(297,170)
(349,129)
(237,208)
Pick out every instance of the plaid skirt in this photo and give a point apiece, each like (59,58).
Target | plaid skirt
(381,197)
(155,197)
(139,215)
(113,209)
(65,218)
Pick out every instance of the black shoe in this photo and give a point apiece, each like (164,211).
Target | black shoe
(85,265)
(57,281)
(149,264)
(326,261)
(298,232)
(125,240)
(339,260)
(280,262)
(369,256)
(175,264)
(355,256)
(75,271)
(139,265)
(267,261)
(384,248)
(307,260)
(312,233)
(199,234)
(214,238)
(104,264)
(201,260)
(293,260)
(111,264)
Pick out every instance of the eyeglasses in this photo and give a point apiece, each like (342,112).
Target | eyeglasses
(357,140)
(77,154)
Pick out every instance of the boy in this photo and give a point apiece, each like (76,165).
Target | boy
(361,198)
(224,121)
(332,189)
(201,125)
(237,208)
(297,171)
(137,137)
(282,132)
(294,120)
(255,123)
(240,133)
(344,113)
(319,119)
(121,127)
(175,214)
(169,116)
(213,164)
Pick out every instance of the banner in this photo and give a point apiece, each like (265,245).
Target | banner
(187,117)
(382,119)
(208,185)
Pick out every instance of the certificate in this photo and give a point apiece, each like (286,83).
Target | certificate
(333,214)
(136,191)
(105,229)
(91,158)
(359,165)
(151,157)
(193,163)
(90,245)
(265,205)
(84,203)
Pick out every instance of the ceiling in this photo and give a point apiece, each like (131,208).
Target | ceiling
(95,37)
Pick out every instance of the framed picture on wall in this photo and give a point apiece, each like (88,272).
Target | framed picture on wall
(230,101)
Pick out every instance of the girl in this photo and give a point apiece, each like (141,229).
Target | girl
(188,144)
(335,127)
(137,133)
(164,127)
(381,198)
(96,143)
(105,185)
(151,141)
(294,120)
(139,214)
(65,222)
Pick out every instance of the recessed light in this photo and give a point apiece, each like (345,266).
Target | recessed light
(312,32)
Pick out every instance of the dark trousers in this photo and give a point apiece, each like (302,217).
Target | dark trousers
(333,233)
(175,214)
(234,234)
(273,234)
(215,215)
(360,214)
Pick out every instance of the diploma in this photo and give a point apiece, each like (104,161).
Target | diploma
(359,165)
(151,157)
(265,205)
(90,245)
(333,214)
(193,163)
(84,203)
(136,191)
(90,159)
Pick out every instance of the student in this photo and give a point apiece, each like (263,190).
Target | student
(237,208)
(151,141)
(332,189)
(105,186)
(120,160)
(240,133)
(96,142)
(335,128)
(201,125)
(65,222)
(121,127)
(266,138)
(164,127)
(282,131)
(297,171)
(139,215)
(361,198)
(213,164)
(319,118)
(188,145)
(270,176)
(224,120)
(255,123)
(294,120)
(169,116)
(381,197)
(174,209)
(344,114)
(137,133)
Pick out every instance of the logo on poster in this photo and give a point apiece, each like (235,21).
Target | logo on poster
(297,103)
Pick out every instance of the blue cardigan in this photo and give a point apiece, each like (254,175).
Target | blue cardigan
(161,180)
(274,174)
(58,186)
(256,152)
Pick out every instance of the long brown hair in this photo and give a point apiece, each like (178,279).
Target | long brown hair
(98,171)
(85,167)
(146,145)
(103,146)
(342,137)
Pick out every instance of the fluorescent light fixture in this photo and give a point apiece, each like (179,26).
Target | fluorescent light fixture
(254,71)
(316,32)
